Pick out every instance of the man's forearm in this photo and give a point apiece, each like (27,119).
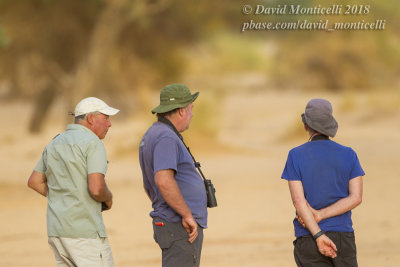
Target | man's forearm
(41,189)
(340,207)
(98,188)
(300,203)
(169,189)
(103,196)
(38,182)
(305,213)
(345,204)
(175,200)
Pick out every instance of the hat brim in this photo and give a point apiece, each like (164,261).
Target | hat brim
(331,130)
(109,111)
(166,108)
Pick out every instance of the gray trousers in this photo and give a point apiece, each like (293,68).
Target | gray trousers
(306,251)
(176,249)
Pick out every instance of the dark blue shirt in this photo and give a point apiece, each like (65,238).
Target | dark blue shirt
(325,168)
(161,149)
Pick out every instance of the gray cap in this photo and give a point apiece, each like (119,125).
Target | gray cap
(318,116)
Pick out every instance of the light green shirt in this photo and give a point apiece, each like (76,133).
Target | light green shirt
(66,161)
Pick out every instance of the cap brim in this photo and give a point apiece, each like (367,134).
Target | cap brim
(109,111)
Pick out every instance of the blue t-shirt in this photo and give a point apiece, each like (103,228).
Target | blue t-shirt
(161,149)
(325,168)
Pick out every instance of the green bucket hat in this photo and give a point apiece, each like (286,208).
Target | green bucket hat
(174,96)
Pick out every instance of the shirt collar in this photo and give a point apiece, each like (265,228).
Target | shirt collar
(79,127)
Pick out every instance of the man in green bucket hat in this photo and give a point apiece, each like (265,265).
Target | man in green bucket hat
(171,181)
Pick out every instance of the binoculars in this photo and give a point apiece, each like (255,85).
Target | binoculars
(210,190)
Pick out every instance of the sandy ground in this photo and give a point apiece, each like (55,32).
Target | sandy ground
(252,225)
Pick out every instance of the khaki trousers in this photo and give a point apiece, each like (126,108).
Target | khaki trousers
(76,252)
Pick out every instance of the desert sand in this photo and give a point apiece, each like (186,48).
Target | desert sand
(252,226)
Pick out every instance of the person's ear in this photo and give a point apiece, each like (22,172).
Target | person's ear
(181,111)
(89,118)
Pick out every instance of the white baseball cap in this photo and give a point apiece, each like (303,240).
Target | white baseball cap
(93,104)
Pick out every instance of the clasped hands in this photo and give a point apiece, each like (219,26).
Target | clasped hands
(325,245)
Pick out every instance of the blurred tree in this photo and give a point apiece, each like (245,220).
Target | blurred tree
(73,49)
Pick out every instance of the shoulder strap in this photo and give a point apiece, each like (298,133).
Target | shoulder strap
(168,122)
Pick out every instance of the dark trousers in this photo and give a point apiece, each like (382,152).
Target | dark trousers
(176,249)
(306,251)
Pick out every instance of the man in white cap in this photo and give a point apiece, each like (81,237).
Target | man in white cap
(325,182)
(71,174)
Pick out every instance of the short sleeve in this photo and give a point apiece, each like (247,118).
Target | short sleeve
(96,158)
(356,169)
(166,155)
(290,172)
(41,166)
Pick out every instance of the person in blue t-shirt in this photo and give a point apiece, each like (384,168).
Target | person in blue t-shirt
(171,181)
(325,183)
